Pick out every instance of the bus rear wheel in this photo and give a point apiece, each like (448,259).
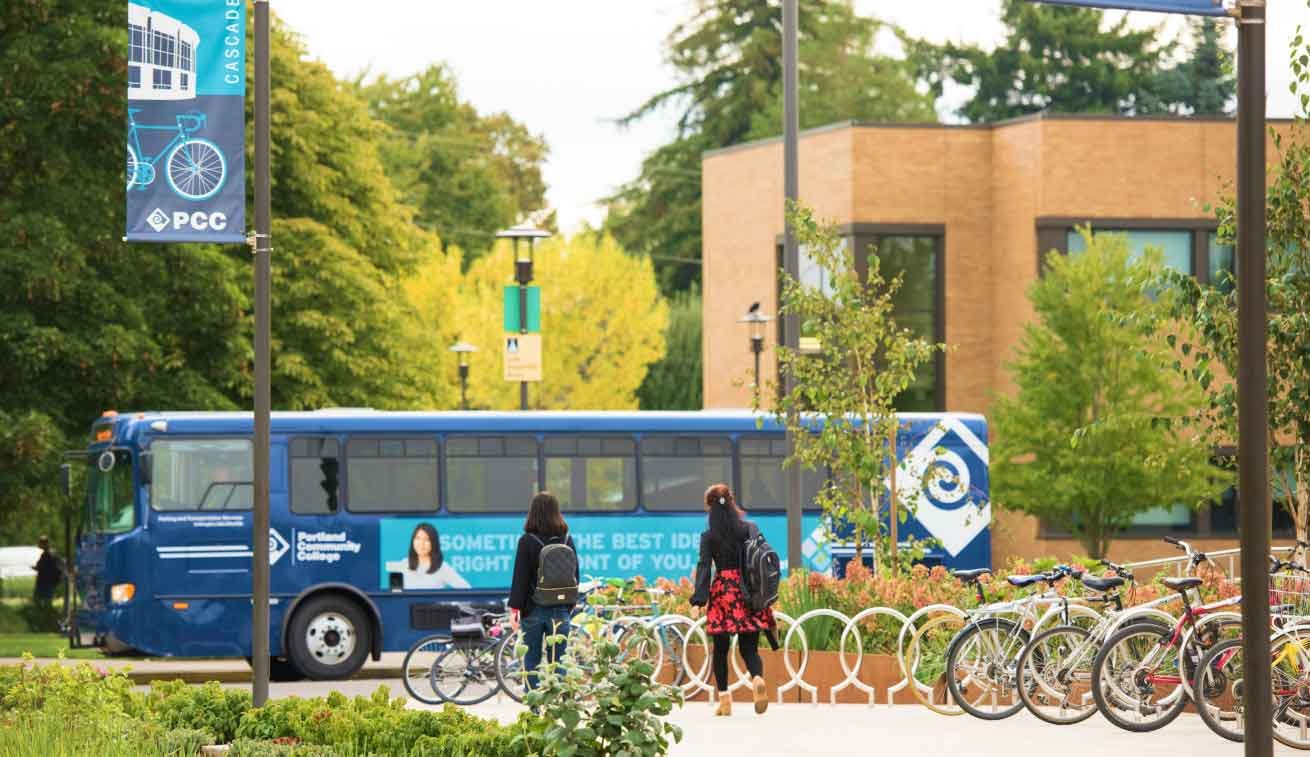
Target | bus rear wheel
(329,637)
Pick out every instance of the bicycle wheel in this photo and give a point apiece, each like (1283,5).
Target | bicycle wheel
(636,642)
(196,169)
(1290,679)
(510,674)
(466,674)
(132,163)
(416,671)
(925,663)
(1058,665)
(672,634)
(1132,694)
(1217,690)
(981,668)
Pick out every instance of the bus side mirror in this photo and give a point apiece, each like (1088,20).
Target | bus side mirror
(146,466)
(66,479)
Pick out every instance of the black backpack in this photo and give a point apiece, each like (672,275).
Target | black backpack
(761,571)
(557,575)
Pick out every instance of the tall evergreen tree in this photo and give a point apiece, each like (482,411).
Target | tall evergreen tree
(1203,84)
(728,58)
(674,383)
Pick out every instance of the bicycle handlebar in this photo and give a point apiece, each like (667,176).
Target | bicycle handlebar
(1118,569)
(1195,556)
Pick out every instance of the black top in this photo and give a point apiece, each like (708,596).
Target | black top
(47,572)
(726,555)
(525,569)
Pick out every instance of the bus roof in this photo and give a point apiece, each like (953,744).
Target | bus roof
(127,426)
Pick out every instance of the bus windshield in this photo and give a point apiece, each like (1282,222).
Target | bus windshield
(110,504)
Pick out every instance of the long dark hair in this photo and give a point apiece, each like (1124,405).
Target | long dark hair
(727,520)
(544,518)
(434,562)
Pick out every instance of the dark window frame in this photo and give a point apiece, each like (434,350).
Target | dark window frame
(1053,236)
(731,456)
(860,236)
(150,489)
(345,456)
(545,458)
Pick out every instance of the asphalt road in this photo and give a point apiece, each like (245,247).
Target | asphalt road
(801,729)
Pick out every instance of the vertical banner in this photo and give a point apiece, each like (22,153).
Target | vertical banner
(186,86)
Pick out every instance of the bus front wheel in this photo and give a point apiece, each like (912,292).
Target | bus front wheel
(329,637)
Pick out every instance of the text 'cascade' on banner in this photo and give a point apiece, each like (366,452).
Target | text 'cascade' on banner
(186,86)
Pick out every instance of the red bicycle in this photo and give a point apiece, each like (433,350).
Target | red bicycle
(1143,673)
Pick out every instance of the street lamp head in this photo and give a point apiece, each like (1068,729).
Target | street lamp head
(756,320)
(523,231)
(463,349)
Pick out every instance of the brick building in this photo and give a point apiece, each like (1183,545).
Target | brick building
(968,212)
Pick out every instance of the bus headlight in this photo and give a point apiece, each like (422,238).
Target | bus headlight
(122,593)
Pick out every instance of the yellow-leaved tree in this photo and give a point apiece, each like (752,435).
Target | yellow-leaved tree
(433,294)
(603,323)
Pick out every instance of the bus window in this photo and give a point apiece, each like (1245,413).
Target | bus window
(315,469)
(391,475)
(763,479)
(202,474)
(490,473)
(676,470)
(110,493)
(592,473)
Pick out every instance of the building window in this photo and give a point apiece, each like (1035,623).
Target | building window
(163,49)
(185,61)
(1175,244)
(391,475)
(676,471)
(185,82)
(1222,263)
(136,43)
(163,79)
(314,480)
(134,76)
(590,473)
(491,473)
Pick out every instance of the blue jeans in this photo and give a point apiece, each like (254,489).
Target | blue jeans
(537,625)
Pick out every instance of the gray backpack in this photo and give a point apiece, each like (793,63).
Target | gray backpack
(557,575)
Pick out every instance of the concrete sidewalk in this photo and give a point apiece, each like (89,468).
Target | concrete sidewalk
(224,670)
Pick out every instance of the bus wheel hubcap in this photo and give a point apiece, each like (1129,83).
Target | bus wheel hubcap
(330,638)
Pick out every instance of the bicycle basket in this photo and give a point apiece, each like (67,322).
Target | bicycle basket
(1289,594)
(467,628)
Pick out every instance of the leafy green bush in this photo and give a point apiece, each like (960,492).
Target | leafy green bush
(17,587)
(174,704)
(600,700)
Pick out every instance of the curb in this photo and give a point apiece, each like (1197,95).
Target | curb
(142,677)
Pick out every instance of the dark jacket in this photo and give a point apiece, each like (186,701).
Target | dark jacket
(48,574)
(724,554)
(525,570)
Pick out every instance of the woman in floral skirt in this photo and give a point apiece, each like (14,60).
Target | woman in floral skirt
(721,588)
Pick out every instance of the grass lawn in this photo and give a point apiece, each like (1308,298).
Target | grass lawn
(42,645)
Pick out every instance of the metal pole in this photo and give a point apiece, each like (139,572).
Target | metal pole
(523,319)
(259,648)
(757,346)
(464,387)
(1252,392)
(791,257)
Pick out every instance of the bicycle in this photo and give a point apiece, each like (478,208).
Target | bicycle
(982,659)
(1218,684)
(1059,660)
(458,667)
(195,168)
(1142,674)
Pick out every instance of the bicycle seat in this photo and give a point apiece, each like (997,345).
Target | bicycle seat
(1026,580)
(1183,584)
(1102,584)
(970,576)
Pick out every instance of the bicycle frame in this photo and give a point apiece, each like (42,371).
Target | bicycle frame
(133,133)
(1183,631)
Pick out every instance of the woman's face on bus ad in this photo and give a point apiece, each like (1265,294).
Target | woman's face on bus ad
(422,545)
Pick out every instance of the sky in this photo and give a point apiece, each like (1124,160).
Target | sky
(570,68)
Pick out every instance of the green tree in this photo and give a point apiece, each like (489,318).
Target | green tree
(728,59)
(1203,84)
(867,362)
(1054,58)
(1209,343)
(467,175)
(674,383)
(1097,431)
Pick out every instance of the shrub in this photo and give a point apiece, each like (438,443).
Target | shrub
(174,704)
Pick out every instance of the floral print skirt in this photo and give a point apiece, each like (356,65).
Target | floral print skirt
(728,611)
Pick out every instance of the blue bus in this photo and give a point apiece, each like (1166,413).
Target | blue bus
(382,521)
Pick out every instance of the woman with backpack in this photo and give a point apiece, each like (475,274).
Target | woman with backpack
(545,585)
(728,612)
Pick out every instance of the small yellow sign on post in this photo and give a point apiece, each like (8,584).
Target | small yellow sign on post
(523,357)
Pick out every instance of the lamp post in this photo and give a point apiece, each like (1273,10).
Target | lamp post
(523,275)
(463,349)
(756,321)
